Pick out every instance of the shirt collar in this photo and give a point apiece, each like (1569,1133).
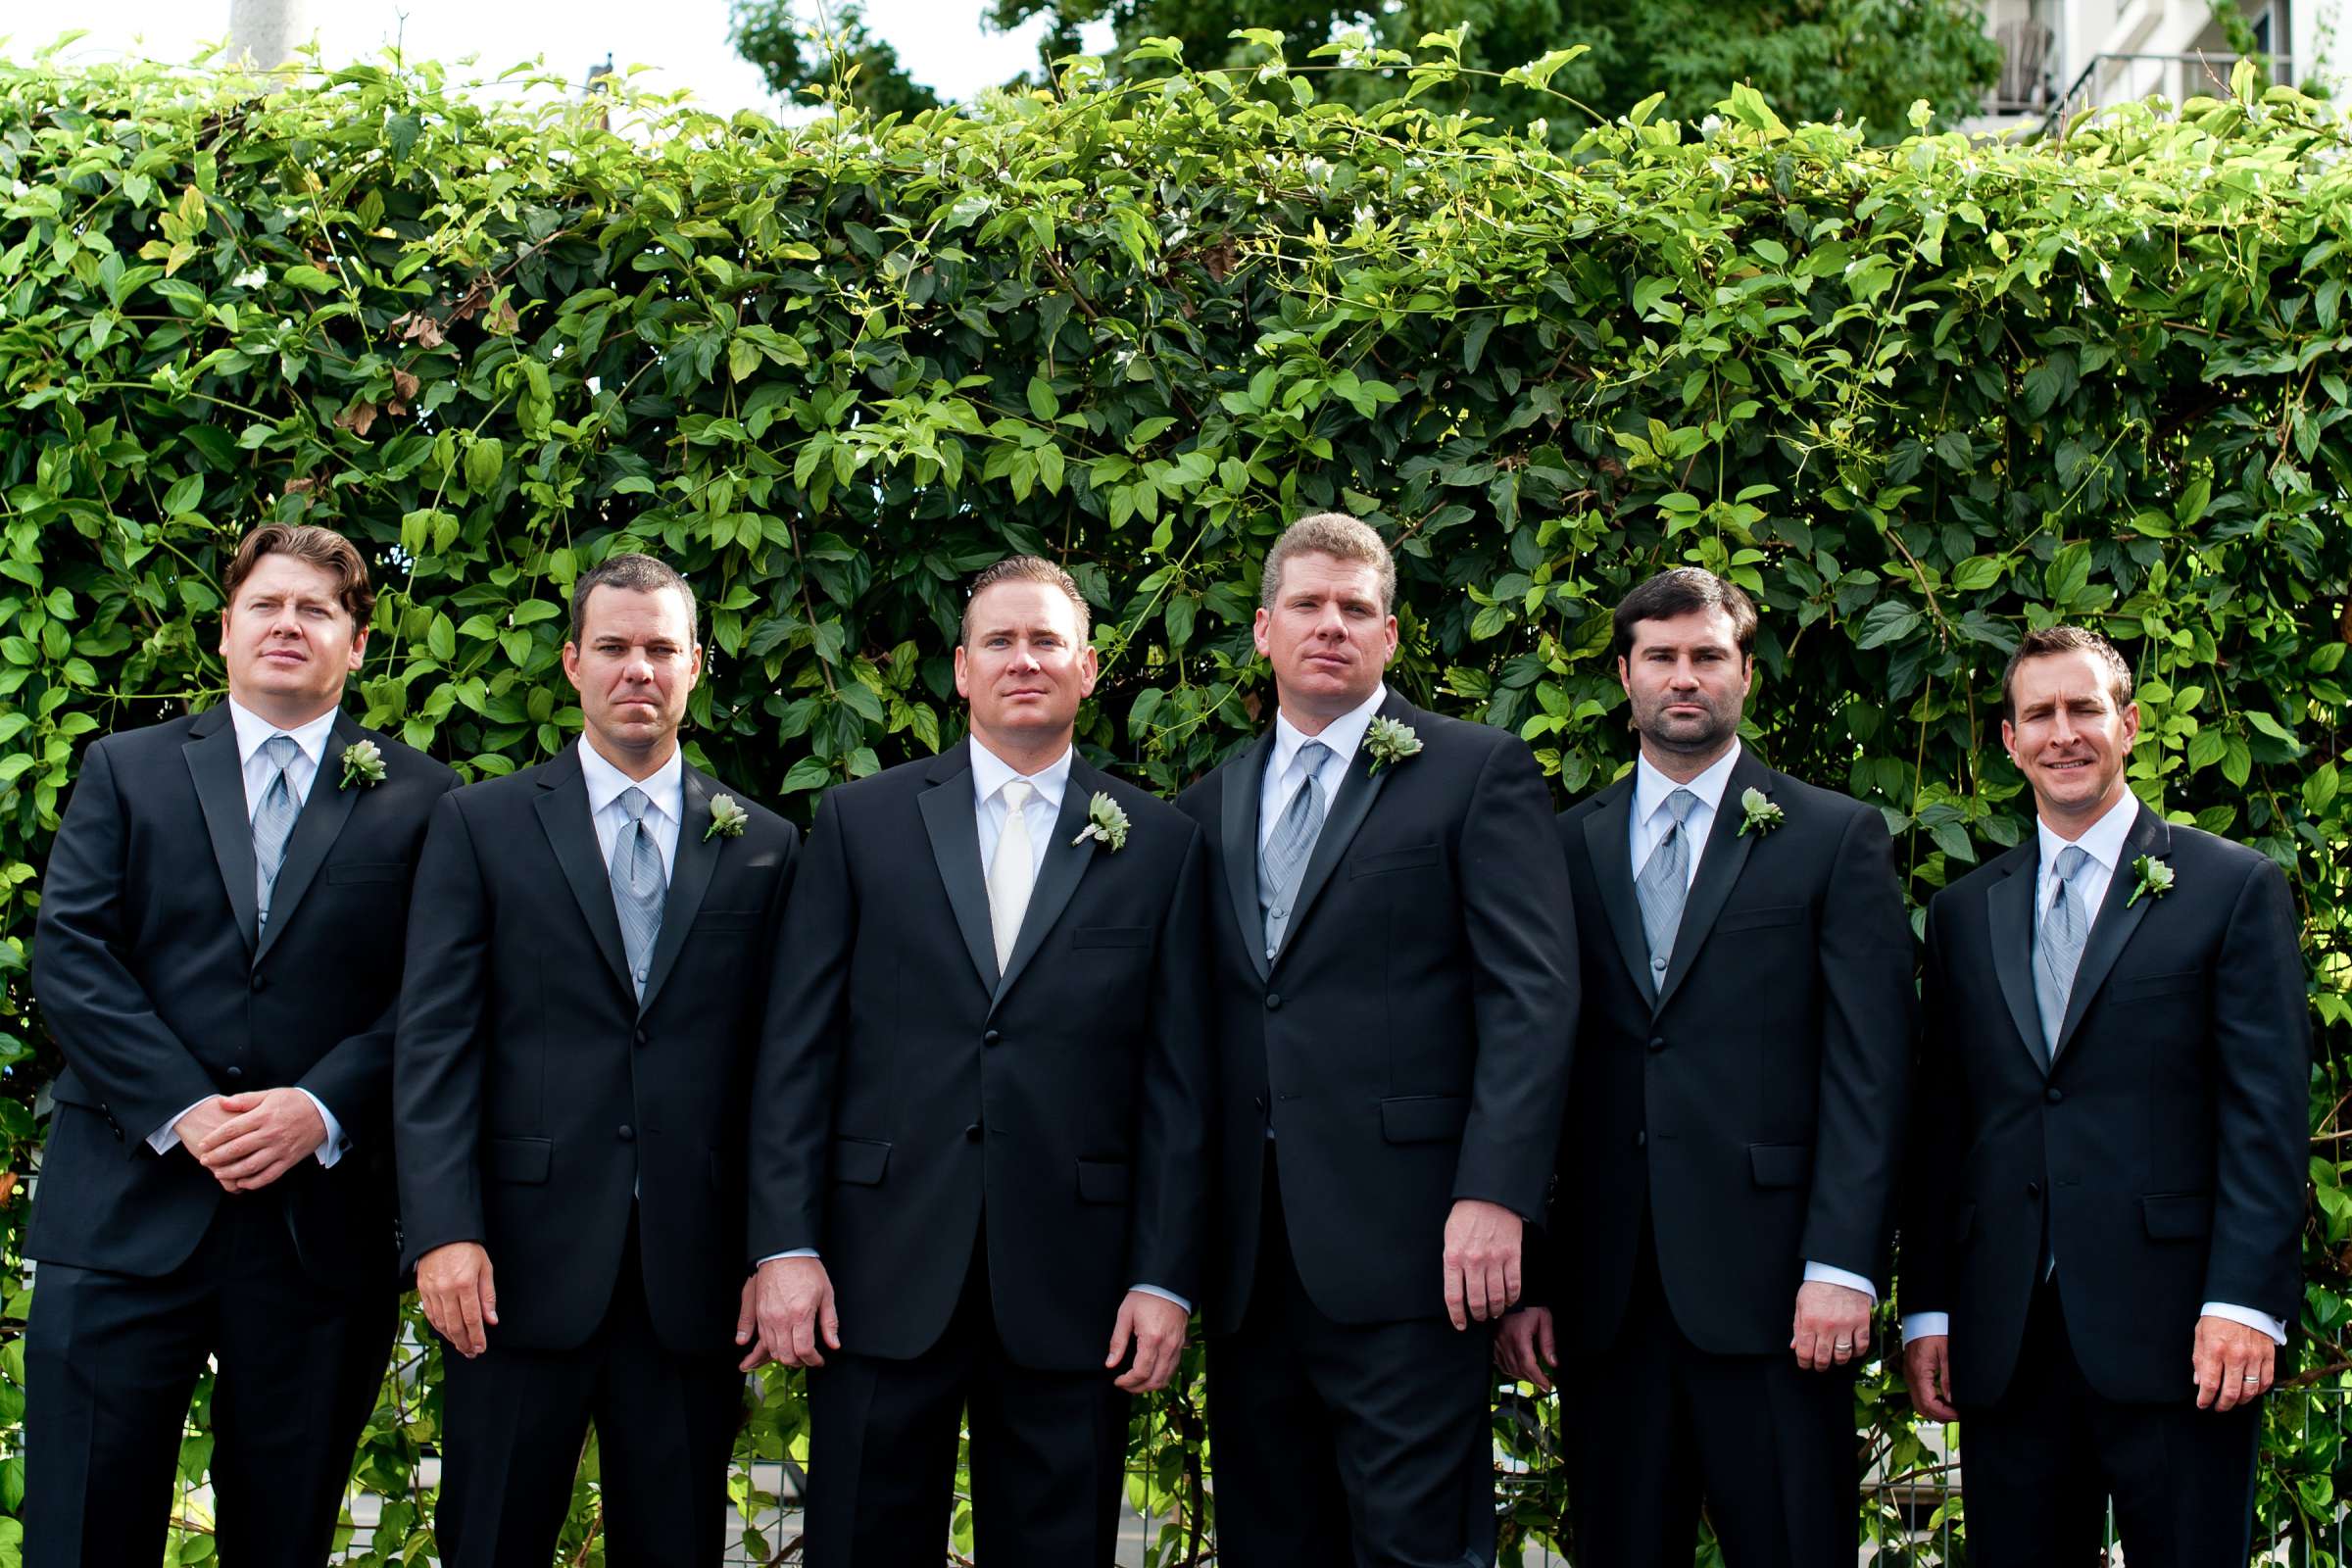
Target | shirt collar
(253,730)
(1652,787)
(1343,734)
(665,790)
(990,773)
(2103,841)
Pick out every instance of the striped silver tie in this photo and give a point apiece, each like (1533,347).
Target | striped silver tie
(638,886)
(2058,948)
(273,823)
(1282,861)
(1664,885)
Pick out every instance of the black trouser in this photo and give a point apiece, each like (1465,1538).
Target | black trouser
(515,1422)
(2039,1465)
(113,1360)
(1364,1446)
(1048,1452)
(1654,1426)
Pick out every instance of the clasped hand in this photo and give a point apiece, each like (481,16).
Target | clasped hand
(249,1141)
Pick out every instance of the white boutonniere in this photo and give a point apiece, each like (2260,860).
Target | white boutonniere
(2155,880)
(1390,742)
(363,766)
(1105,822)
(1760,816)
(727,818)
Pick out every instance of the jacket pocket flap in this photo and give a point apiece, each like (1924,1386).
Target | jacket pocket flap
(1404,859)
(2178,1216)
(727,920)
(368,872)
(1111,935)
(1756,919)
(521,1160)
(2124,989)
(1101,1181)
(1423,1118)
(860,1160)
(1780,1165)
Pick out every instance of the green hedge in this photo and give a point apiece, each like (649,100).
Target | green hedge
(1914,396)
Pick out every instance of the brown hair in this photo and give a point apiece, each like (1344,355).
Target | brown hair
(1025,568)
(1680,592)
(1335,534)
(311,545)
(637,573)
(2065,640)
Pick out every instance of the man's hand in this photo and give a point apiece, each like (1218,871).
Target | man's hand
(1928,1369)
(460,1299)
(1156,1326)
(199,1122)
(1833,1325)
(1524,1348)
(265,1136)
(1482,1262)
(747,1328)
(795,1296)
(2233,1363)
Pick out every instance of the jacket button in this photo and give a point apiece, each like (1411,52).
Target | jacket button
(627,1134)
(1273,1001)
(2053,1096)
(235,1073)
(1641,1137)
(1657,1041)
(644,1036)
(971,1133)
(990,1037)
(261,983)
(2033,1189)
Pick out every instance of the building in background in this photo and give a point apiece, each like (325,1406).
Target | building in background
(2061,57)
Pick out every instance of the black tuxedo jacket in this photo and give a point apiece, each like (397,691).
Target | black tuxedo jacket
(911,1101)
(1410,1042)
(2164,1147)
(533,1094)
(1749,1110)
(149,971)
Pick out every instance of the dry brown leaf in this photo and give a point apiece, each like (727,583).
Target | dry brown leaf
(356,418)
(403,385)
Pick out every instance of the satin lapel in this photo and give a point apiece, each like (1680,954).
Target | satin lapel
(1358,791)
(1718,869)
(951,821)
(1609,841)
(689,879)
(316,830)
(562,807)
(1066,860)
(2009,916)
(1245,780)
(220,778)
(2152,837)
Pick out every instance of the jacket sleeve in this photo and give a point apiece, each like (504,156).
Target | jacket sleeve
(438,1055)
(1521,932)
(1939,1119)
(1172,1154)
(95,1004)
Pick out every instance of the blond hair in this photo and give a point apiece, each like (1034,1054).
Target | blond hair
(1340,536)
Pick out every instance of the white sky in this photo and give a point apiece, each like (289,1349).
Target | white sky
(941,42)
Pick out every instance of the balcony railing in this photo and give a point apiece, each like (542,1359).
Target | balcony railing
(2120,78)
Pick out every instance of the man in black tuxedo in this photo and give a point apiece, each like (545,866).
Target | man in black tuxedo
(1394,970)
(980,1117)
(218,956)
(2105,1193)
(586,972)
(1728,1167)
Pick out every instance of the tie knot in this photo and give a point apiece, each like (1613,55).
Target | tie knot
(1680,805)
(634,804)
(280,749)
(2069,861)
(1017,794)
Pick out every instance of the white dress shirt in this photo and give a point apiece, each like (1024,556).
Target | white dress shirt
(310,741)
(1343,735)
(666,812)
(2103,842)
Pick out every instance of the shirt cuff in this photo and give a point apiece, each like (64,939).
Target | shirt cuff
(1823,1274)
(1165,1295)
(2248,1316)
(1926,1325)
(333,1150)
(166,1138)
(798,1252)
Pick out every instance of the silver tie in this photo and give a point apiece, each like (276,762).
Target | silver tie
(273,823)
(1282,863)
(1013,873)
(1664,885)
(639,885)
(2058,948)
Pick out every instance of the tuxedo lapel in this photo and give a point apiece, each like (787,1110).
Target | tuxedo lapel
(1718,869)
(1066,860)
(2152,837)
(698,855)
(219,776)
(2009,918)
(953,825)
(1237,816)
(1358,791)
(1608,840)
(323,813)
(562,807)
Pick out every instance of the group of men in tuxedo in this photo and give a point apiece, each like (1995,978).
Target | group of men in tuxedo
(971,1101)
